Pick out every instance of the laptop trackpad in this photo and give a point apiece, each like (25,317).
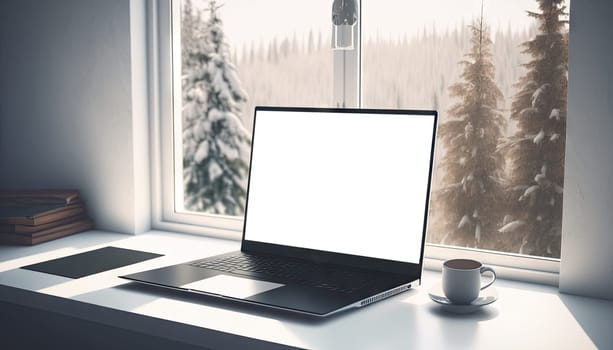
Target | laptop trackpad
(231,286)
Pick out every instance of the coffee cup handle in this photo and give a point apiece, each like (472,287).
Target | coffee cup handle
(488,269)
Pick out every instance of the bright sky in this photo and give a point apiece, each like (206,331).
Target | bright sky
(247,21)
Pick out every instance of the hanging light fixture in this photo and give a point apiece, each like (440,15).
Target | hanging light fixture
(344,19)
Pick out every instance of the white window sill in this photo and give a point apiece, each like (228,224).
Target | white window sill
(525,315)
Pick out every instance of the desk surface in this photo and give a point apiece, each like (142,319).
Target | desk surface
(524,316)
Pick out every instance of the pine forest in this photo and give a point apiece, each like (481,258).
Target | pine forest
(501,97)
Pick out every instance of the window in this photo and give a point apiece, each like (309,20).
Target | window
(218,68)
(496,72)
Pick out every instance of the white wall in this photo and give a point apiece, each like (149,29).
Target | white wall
(587,238)
(67,117)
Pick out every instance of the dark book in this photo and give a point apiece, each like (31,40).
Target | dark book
(65,197)
(38,214)
(13,228)
(47,235)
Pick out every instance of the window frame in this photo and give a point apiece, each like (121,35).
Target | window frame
(164,159)
(347,92)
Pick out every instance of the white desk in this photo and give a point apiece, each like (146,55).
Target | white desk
(526,316)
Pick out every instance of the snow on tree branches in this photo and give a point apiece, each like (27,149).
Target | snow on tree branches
(215,143)
(536,151)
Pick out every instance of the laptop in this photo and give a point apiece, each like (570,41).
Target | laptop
(336,212)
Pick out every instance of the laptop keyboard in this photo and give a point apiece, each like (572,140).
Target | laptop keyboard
(291,270)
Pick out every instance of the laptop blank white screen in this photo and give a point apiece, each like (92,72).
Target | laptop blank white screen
(353,183)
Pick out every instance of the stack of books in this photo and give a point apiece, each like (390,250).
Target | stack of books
(31,217)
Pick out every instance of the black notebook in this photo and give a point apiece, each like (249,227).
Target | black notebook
(92,262)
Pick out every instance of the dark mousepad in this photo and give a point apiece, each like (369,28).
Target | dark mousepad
(92,262)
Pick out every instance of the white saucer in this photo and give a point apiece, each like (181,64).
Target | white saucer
(486,297)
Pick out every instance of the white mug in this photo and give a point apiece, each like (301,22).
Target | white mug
(462,280)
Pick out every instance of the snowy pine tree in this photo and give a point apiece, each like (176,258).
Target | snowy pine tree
(216,145)
(467,203)
(536,151)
